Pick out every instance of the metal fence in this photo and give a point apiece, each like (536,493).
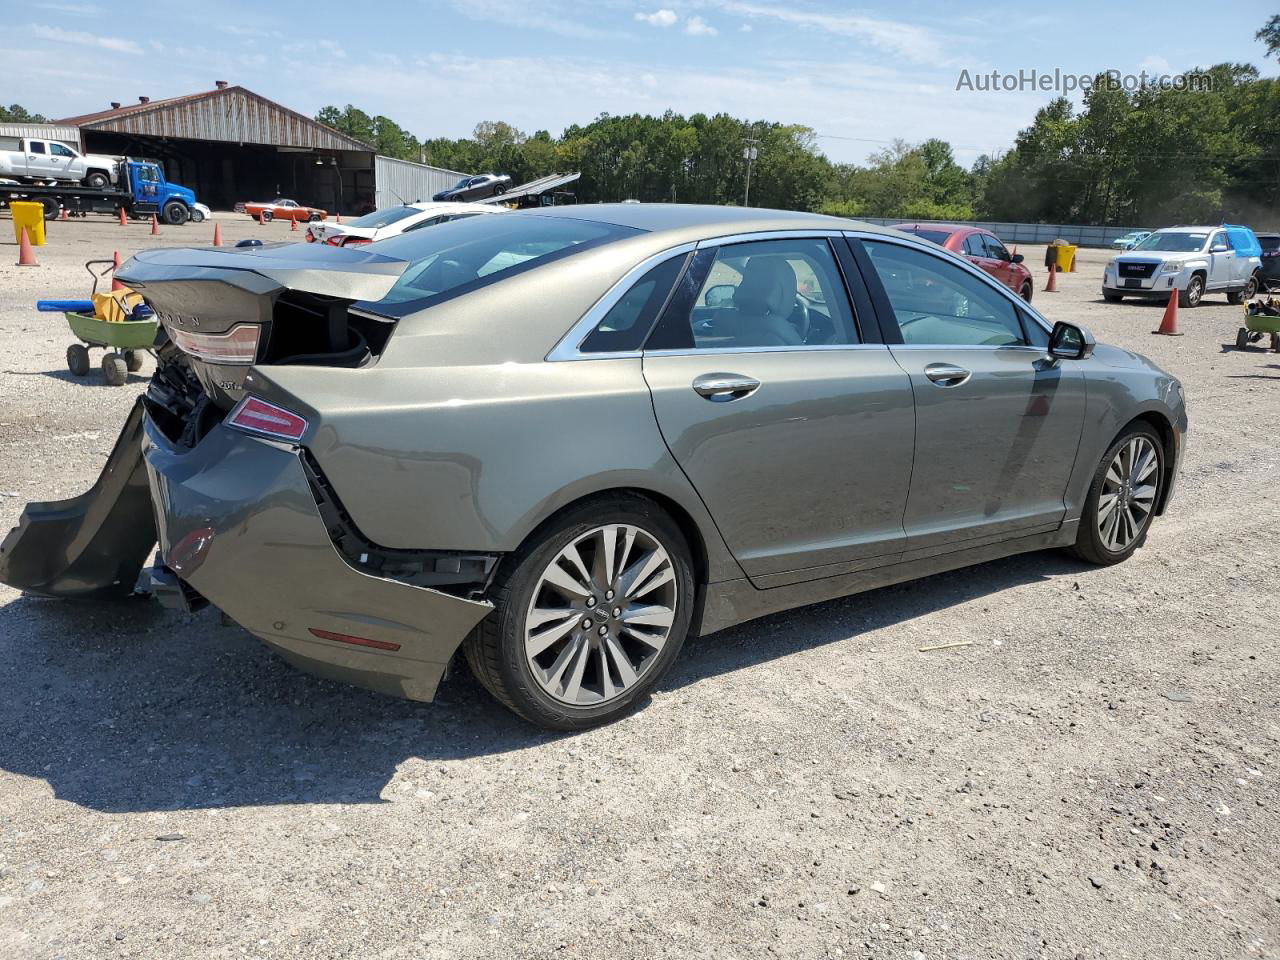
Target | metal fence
(403,181)
(1027,232)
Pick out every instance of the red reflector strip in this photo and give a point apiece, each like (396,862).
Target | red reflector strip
(258,416)
(358,641)
(237,345)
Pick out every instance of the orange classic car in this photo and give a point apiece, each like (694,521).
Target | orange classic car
(282,209)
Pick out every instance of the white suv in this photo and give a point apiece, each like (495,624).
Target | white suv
(1192,260)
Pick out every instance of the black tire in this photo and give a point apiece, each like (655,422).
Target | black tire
(1191,296)
(1248,293)
(97,180)
(50,207)
(115,369)
(500,189)
(78,359)
(495,649)
(1242,338)
(1027,291)
(267,216)
(133,360)
(313,218)
(176,214)
(1089,546)
(1112,297)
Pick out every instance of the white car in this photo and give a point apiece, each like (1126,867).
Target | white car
(28,159)
(1192,260)
(393,221)
(200,213)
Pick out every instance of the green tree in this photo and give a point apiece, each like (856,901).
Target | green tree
(16,113)
(1270,35)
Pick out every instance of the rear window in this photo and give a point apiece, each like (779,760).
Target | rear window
(1269,241)
(940,237)
(383,218)
(464,255)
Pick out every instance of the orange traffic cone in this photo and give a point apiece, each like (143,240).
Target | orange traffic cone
(116,284)
(258,217)
(155,226)
(217,234)
(63,214)
(1169,322)
(1052,285)
(293,225)
(337,218)
(123,222)
(26,258)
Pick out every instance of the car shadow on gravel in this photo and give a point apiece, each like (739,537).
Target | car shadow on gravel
(127,707)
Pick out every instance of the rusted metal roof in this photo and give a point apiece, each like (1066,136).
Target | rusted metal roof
(230,114)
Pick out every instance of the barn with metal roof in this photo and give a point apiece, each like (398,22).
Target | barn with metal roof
(231,145)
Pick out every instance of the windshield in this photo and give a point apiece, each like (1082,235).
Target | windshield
(466,254)
(382,218)
(461,183)
(1174,242)
(940,237)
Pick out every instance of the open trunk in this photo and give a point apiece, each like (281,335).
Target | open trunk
(284,304)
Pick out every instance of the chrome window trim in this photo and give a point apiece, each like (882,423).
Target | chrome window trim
(1038,351)
(956,258)
(768,235)
(781,348)
(569,346)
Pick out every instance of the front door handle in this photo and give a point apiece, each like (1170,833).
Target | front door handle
(723,387)
(946,374)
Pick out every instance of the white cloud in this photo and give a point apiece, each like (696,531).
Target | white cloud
(80,38)
(659,18)
(697,27)
(1155,64)
(561,17)
(649,80)
(892,36)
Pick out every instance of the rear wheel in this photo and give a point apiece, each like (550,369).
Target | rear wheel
(1122,498)
(50,207)
(267,216)
(78,359)
(115,369)
(1192,294)
(1248,293)
(588,616)
(313,218)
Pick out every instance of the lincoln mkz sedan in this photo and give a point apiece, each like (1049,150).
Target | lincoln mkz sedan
(560,441)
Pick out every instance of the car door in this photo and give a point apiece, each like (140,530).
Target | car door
(1001,261)
(997,421)
(783,408)
(38,161)
(976,251)
(66,162)
(1221,261)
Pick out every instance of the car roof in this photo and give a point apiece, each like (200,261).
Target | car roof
(446,206)
(1186,229)
(687,221)
(947,227)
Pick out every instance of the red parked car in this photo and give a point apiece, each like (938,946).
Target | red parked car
(980,247)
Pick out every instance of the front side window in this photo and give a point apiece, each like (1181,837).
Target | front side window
(772,293)
(941,304)
(59,150)
(625,326)
(475,251)
(1220,242)
(974,246)
(995,249)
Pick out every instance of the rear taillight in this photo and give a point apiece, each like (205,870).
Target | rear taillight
(334,241)
(257,416)
(237,345)
(355,241)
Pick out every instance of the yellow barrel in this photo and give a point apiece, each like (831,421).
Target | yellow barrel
(31,216)
(1066,254)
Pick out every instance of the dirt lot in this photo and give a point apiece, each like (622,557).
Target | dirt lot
(1095,776)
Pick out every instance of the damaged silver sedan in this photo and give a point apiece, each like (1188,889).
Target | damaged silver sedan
(561,441)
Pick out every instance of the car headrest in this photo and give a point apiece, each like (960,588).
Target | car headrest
(768,287)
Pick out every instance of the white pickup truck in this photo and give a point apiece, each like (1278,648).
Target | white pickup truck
(29,160)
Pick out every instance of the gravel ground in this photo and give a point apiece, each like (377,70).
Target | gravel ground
(1094,776)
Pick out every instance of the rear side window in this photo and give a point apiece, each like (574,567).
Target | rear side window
(464,255)
(940,237)
(1270,242)
(628,321)
(938,303)
(35,146)
(974,246)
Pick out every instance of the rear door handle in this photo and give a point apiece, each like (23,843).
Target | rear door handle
(946,374)
(723,387)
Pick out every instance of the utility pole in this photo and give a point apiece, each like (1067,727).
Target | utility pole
(749,154)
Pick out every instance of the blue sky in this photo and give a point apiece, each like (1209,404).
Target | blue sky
(860,75)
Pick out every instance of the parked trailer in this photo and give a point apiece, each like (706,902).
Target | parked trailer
(141,192)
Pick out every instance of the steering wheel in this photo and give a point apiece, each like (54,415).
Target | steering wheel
(801,323)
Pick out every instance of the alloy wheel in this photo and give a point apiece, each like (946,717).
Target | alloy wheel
(1128,494)
(601,612)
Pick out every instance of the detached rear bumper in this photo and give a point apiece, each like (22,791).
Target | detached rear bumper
(237,521)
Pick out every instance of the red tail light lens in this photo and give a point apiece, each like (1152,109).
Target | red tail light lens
(355,241)
(334,241)
(257,416)
(237,345)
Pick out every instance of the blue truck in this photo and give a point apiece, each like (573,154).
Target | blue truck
(141,190)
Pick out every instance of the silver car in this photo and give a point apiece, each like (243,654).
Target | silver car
(561,441)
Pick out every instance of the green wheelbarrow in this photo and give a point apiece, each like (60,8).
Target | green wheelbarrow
(124,340)
(1261,318)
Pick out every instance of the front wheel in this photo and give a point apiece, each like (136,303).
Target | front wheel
(133,360)
(313,218)
(115,369)
(1122,498)
(1113,297)
(78,359)
(588,616)
(97,180)
(1026,291)
(175,214)
(1191,296)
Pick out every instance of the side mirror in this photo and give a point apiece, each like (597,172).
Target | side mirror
(1017,258)
(1070,342)
(721,295)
